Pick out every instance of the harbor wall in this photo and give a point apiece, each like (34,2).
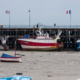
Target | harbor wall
(69,36)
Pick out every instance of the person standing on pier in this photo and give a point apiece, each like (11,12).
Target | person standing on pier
(37,25)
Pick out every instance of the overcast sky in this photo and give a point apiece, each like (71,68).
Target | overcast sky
(46,12)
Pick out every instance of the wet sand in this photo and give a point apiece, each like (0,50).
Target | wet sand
(43,65)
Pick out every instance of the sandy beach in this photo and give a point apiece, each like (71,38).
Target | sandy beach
(43,65)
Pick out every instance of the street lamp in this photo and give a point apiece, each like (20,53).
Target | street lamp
(29,18)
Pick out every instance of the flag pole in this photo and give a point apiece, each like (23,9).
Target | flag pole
(70,17)
(29,18)
(9,20)
(70,20)
(69,12)
(8,12)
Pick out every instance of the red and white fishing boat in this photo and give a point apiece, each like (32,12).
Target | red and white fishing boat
(42,42)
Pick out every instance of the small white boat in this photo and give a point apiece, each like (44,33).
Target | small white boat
(9,58)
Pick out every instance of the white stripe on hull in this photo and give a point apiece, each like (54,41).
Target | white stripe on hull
(8,59)
(39,40)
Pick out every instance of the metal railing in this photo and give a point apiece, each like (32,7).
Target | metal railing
(42,26)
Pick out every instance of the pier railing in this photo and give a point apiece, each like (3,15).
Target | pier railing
(42,26)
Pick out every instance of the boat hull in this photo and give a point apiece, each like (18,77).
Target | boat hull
(27,45)
(78,42)
(78,45)
(8,59)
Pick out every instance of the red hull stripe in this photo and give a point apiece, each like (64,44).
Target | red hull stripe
(9,61)
(36,44)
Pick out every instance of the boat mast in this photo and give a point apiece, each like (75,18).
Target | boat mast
(15,48)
